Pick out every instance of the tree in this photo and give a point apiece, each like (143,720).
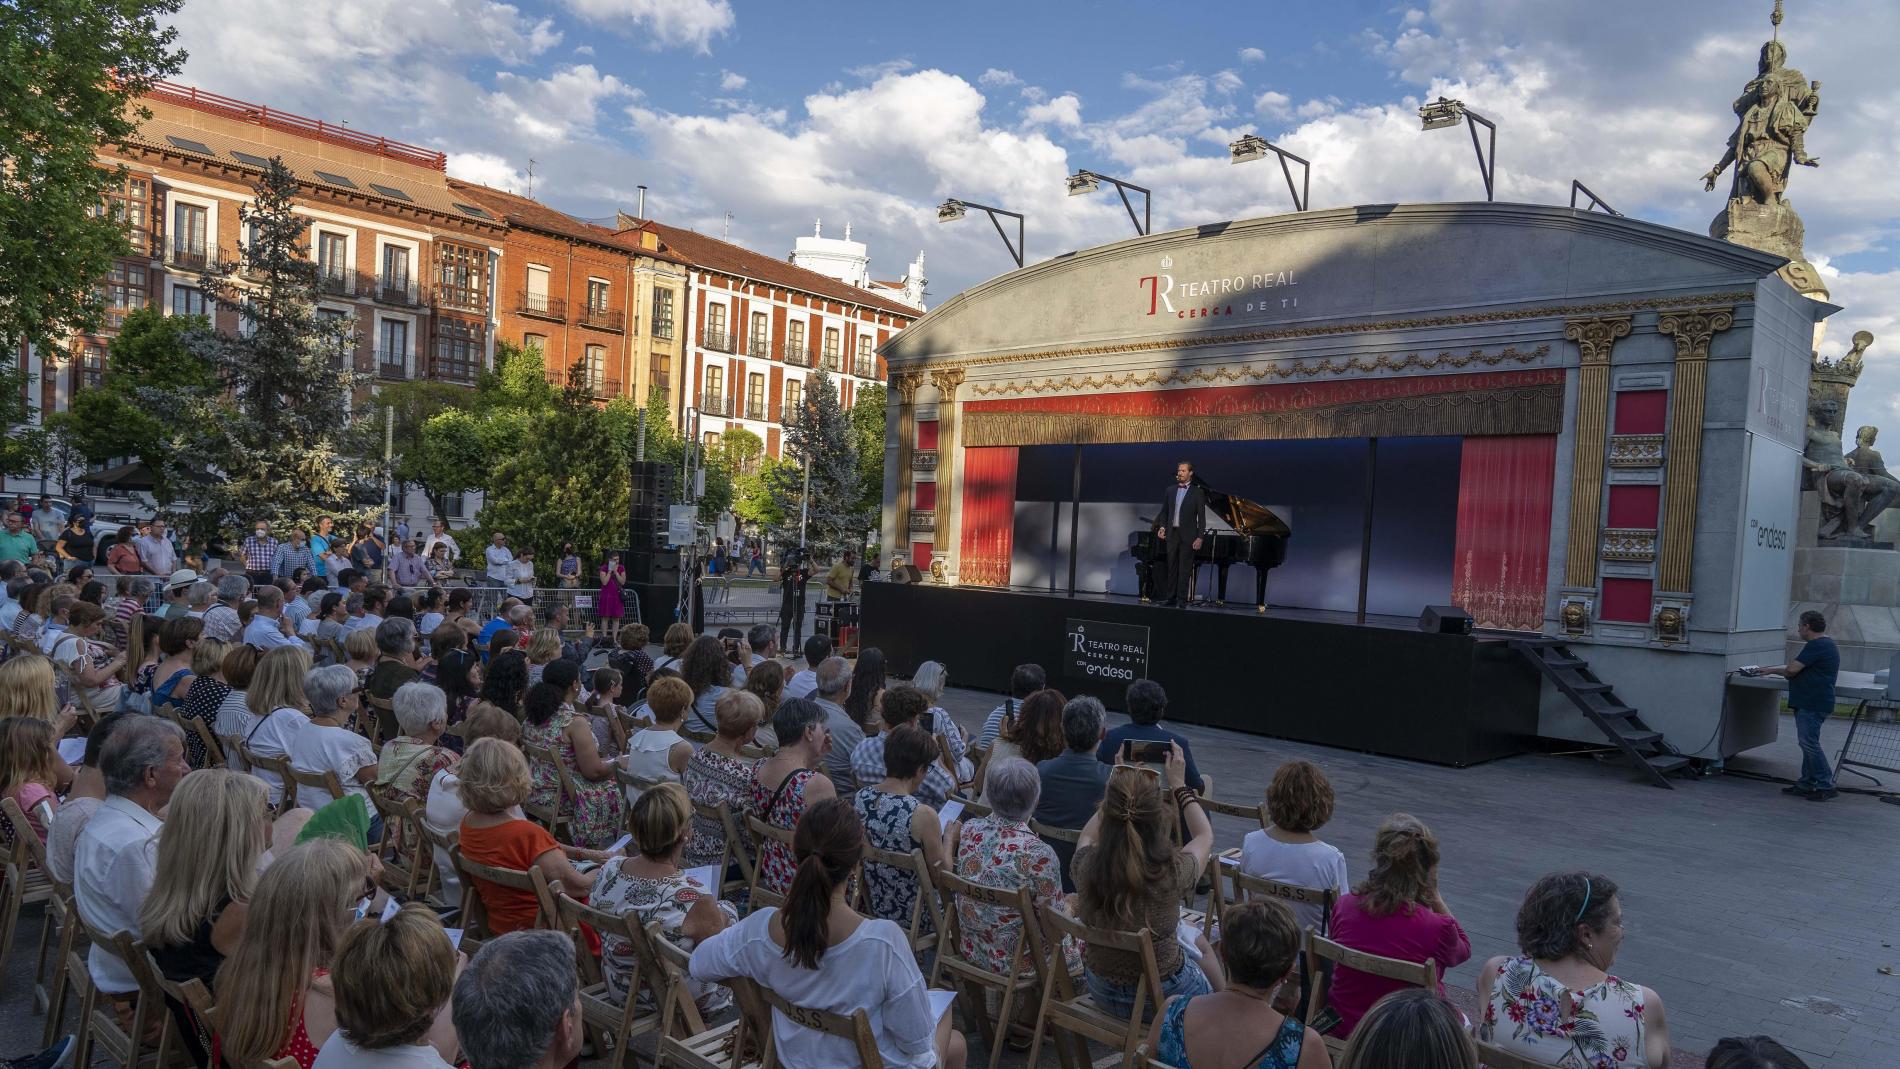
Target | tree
(110,420)
(448,460)
(73,68)
(867,427)
(272,442)
(820,437)
(566,481)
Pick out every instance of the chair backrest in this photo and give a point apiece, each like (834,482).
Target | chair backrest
(27,846)
(629,781)
(1050,831)
(1139,943)
(856,1027)
(555,815)
(761,831)
(1256,812)
(233,748)
(1320,949)
(319,781)
(926,914)
(1028,945)
(192,994)
(280,766)
(214,752)
(531,881)
(672,998)
(1145,1059)
(1248,887)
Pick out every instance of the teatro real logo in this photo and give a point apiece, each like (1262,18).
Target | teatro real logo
(1223,295)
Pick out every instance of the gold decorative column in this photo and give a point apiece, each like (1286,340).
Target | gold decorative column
(943,540)
(904,386)
(1594,338)
(1693,329)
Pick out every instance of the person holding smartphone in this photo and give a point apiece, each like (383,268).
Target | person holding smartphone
(1146,701)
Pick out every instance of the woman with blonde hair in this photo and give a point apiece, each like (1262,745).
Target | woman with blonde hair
(29,774)
(673,646)
(719,772)
(661,752)
(217,828)
(1395,912)
(649,886)
(393,979)
(276,698)
(282,965)
(208,691)
(1130,875)
(26,690)
(493,782)
(141,661)
(542,650)
(442,810)
(360,647)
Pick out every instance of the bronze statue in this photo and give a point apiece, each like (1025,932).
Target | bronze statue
(1773,112)
(1867,463)
(1852,496)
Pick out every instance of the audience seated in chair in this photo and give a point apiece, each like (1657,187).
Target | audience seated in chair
(896,820)
(494,781)
(598,809)
(326,745)
(443,811)
(787,784)
(392,980)
(517,1004)
(409,762)
(216,832)
(1410,1029)
(819,953)
(718,772)
(1395,912)
(1146,702)
(1568,932)
(661,752)
(1238,1026)
(114,864)
(82,802)
(899,706)
(1072,780)
(1299,803)
(276,698)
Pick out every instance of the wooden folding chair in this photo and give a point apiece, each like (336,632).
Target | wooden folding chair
(698,738)
(99,1027)
(1144,1059)
(408,860)
(552,817)
(926,913)
(196,728)
(1071,836)
(49,995)
(233,748)
(1492,1056)
(1076,1014)
(744,1040)
(373,723)
(192,995)
(475,913)
(325,781)
(620,1023)
(757,894)
(1247,888)
(856,1027)
(1253,813)
(278,766)
(973,980)
(26,882)
(730,847)
(1323,955)
(634,785)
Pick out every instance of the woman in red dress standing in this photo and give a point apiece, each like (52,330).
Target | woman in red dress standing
(612,575)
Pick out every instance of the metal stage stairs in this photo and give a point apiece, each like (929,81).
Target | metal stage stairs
(1597,701)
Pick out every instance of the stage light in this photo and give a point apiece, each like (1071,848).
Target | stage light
(950,211)
(1248,149)
(1445,112)
(1253,147)
(954,209)
(1088,182)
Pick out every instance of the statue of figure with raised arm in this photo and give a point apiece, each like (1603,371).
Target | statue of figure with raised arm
(1772,118)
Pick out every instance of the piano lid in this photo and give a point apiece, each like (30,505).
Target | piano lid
(1244,516)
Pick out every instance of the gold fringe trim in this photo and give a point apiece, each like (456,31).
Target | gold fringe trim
(1249,373)
(1475,413)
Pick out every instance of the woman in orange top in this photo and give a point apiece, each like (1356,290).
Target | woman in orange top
(494,782)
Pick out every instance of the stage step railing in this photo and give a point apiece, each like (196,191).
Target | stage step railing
(1597,701)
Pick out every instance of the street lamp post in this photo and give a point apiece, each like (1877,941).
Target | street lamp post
(953,209)
(1251,147)
(1082,182)
(1445,112)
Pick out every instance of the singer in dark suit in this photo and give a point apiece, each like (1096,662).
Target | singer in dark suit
(1181,525)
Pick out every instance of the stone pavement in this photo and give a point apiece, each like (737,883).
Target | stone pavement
(1747,911)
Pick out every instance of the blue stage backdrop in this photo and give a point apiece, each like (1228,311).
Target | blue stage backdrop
(1317,487)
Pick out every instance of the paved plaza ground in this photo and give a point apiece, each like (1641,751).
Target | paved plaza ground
(1748,911)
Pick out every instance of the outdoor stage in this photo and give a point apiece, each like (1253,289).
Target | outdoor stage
(1381,686)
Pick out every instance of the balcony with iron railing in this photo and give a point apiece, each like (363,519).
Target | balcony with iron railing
(830,360)
(755,410)
(461,298)
(541,306)
(336,281)
(603,318)
(187,256)
(865,369)
(663,329)
(759,348)
(719,340)
(392,365)
(797,355)
(595,384)
(400,292)
(713,404)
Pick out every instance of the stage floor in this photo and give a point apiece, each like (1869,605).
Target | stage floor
(1276,612)
(1382,685)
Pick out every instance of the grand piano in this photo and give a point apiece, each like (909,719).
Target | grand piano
(1258,537)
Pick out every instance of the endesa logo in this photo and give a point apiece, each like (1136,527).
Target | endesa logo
(1224,295)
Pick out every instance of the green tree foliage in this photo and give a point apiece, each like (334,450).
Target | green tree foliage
(274,442)
(111,420)
(450,460)
(820,436)
(565,481)
(867,429)
(58,104)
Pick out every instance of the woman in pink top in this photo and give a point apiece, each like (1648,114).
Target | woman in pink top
(1396,912)
(28,773)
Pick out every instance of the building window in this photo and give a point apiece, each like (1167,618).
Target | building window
(712,441)
(333,257)
(761,345)
(795,350)
(755,397)
(392,348)
(596,295)
(716,336)
(794,399)
(123,292)
(188,301)
(831,348)
(128,204)
(458,349)
(395,272)
(186,246)
(461,276)
(715,399)
(596,366)
(535,341)
(663,313)
(92,365)
(336,324)
(452,506)
(662,377)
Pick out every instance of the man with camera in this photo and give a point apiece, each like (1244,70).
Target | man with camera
(794,573)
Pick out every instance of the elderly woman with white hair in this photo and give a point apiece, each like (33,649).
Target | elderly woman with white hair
(326,745)
(1000,850)
(932,678)
(410,760)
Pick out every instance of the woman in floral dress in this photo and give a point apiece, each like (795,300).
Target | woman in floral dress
(1001,851)
(410,760)
(787,783)
(896,821)
(717,773)
(1557,1002)
(648,886)
(598,810)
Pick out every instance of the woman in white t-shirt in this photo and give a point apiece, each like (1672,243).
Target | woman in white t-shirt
(1299,803)
(94,667)
(819,953)
(661,752)
(277,700)
(325,745)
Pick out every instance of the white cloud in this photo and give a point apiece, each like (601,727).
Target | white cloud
(1252,55)
(556,108)
(731,81)
(662,23)
(1273,105)
(1065,110)
(486,169)
(871,72)
(1228,82)
(995,78)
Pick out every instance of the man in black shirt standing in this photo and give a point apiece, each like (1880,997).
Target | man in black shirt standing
(1181,524)
(1811,677)
(794,573)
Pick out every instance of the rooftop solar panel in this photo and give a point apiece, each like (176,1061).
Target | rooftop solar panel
(188,144)
(248,158)
(390,191)
(470,209)
(335,179)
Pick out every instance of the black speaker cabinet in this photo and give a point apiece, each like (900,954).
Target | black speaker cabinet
(1444,620)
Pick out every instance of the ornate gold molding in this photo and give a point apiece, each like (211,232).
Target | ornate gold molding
(1517,410)
(946,380)
(904,384)
(1595,339)
(1693,330)
(923,460)
(1634,544)
(949,480)
(1636,450)
(1334,330)
(1251,373)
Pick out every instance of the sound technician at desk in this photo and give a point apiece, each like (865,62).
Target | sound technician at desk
(1811,677)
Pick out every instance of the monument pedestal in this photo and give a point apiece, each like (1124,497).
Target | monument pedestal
(1772,227)
(1856,588)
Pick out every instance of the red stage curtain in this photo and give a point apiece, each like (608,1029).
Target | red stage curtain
(989,515)
(1503,543)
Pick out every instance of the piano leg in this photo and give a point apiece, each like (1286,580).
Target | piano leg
(1144,580)
(1221,583)
(1260,589)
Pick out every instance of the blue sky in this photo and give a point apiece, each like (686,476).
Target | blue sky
(872,113)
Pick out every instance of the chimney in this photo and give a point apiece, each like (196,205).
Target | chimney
(642,210)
